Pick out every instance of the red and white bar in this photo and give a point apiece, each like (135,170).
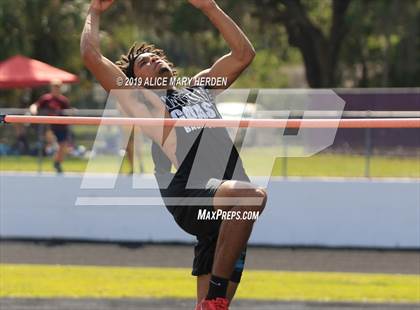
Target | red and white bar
(252,123)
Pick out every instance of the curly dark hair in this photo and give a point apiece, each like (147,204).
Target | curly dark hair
(126,62)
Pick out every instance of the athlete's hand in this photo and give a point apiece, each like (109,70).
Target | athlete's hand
(101,5)
(33,109)
(203,4)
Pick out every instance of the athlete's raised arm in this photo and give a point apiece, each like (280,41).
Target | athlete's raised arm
(104,70)
(110,76)
(242,52)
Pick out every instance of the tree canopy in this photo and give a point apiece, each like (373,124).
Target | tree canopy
(317,43)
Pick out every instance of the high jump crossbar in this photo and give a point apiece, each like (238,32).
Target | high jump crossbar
(252,123)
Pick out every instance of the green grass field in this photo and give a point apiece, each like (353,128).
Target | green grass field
(256,161)
(53,281)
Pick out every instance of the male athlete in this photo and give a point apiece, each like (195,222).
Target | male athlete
(209,173)
(53,104)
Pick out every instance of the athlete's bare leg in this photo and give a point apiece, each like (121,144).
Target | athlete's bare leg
(61,152)
(234,234)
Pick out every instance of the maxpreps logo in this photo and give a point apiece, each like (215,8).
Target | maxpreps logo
(221,215)
(276,142)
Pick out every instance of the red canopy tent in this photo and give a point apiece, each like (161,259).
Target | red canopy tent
(19,71)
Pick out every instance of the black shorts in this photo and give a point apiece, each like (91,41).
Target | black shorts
(206,231)
(61,132)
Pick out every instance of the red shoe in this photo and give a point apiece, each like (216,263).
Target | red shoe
(214,304)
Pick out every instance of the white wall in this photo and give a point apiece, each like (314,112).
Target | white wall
(311,212)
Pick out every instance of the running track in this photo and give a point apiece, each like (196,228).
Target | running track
(372,261)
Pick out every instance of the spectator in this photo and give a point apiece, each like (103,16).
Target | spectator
(53,104)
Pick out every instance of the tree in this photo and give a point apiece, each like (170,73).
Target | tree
(320,49)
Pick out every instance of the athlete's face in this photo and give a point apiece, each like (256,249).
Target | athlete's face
(55,90)
(149,65)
